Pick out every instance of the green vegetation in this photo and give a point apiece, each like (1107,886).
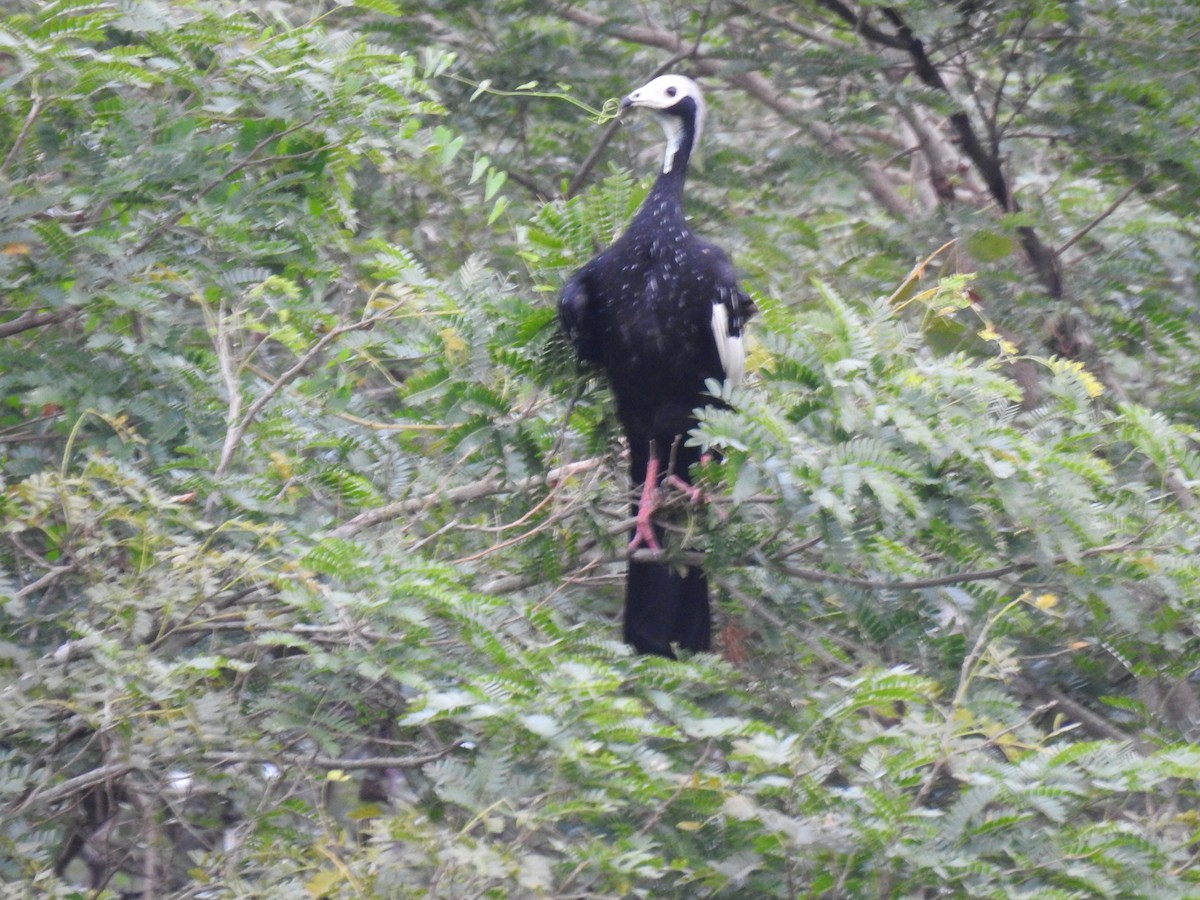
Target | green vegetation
(312,534)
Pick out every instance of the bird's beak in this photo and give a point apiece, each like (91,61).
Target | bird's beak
(629,101)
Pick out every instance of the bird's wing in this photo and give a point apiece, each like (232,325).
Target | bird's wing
(576,316)
(732,307)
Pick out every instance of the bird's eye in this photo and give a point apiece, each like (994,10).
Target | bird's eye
(671,91)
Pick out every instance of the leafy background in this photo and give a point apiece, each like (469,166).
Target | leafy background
(313,534)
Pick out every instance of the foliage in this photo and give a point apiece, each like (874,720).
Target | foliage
(312,533)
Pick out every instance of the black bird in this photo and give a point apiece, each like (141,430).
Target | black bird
(661,311)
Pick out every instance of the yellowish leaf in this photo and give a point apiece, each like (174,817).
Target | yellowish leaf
(281,466)
(323,882)
(1046,601)
(1090,382)
(456,347)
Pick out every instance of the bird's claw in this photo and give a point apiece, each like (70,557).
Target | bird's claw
(643,535)
(694,493)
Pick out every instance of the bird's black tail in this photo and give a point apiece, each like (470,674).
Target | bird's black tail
(663,607)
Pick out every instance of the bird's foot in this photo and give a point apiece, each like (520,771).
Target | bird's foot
(643,534)
(643,531)
(694,493)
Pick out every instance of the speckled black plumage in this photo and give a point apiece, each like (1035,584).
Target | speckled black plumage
(646,311)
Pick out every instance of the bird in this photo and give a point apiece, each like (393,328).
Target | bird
(661,312)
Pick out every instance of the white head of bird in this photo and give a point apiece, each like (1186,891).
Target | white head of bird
(677,103)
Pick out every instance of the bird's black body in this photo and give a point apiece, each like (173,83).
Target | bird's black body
(661,312)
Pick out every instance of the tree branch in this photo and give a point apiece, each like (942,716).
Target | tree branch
(71,786)
(986,159)
(464,494)
(693,557)
(47,579)
(28,320)
(1092,722)
(35,109)
(861,26)
(593,157)
(319,761)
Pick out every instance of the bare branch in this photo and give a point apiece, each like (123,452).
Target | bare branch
(49,578)
(697,557)
(28,320)
(776,21)
(465,494)
(1092,722)
(1112,208)
(71,787)
(35,109)
(862,26)
(589,162)
(319,761)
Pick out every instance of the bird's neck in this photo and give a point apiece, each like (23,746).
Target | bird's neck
(681,136)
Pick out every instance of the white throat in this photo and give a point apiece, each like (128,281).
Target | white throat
(673,129)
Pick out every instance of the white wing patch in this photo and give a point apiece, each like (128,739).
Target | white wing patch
(730,348)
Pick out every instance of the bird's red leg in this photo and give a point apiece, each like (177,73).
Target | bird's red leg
(694,493)
(643,534)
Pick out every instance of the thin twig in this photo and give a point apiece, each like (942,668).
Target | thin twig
(483,488)
(229,375)
(369,424)
(812,635)
(235,434)
(35,109)
(319,761)
(685,782)
(1112,208)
